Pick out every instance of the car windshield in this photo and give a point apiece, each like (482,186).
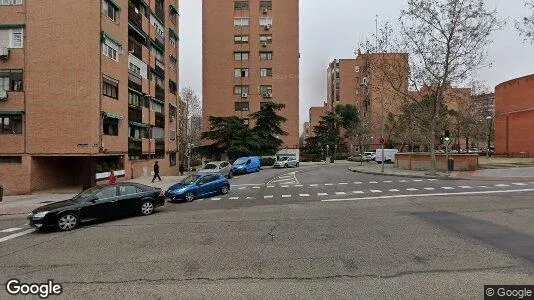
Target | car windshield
(190,179)
(211,166)
(284,158)
(87,193)
(240,161)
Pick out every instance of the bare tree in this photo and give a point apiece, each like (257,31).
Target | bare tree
(446,42)
(191,117)
(526,25)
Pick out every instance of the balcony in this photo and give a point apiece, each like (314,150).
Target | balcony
(160,41)
(135,82)
(135,114)
(134,17)
(160,93)
(160,68)
(159,10)
(160,147)
(160,120)
(135,47)
(135,147)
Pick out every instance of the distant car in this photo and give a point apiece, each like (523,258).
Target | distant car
(97,203)
(244,165)
(218,167)
(198,186)
(286,162)
(358,158)
(371,155)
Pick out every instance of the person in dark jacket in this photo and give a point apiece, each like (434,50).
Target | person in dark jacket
(181,169)
(156,172)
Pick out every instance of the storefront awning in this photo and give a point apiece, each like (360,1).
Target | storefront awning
(138,124)
(112,115)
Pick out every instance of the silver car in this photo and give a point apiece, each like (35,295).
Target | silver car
(220,167)
(286,162)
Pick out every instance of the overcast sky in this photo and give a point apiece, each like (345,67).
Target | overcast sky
(332,29)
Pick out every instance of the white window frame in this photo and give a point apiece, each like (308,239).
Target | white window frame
(105,8)
(241,39)
(238,72)
(268,56)
(12,41)
(241,21)
(135,69)
(110,49)
(264,72)
(10,2)
(266,21)
(240,55)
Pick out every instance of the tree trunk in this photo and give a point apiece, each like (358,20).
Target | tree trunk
(432,146)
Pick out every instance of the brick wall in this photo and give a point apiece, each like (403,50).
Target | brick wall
(15,178)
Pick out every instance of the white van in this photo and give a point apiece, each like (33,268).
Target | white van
(389,155)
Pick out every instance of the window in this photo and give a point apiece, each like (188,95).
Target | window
(266,89)
(110,87)
(172,87)
(241,106)
(10,124)
(135,99)
(108,192)
(10,2)
(240,89)
(110,10)
(267,38)
(172,135)
(173,63)
(10,159)
(125,190)
(156,106)
(241,5)
(242,22)
(111,126)
(135,69)
(11,80)
(240,72)
(173,14)
(241,39)
(157,132)
(137,132)
(266,55)
(12,38)
(266,72)
(240,55)
(110,50)
(266,21)
(266,5)
(172,159)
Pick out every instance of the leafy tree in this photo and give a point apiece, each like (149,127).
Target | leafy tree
(267,128)
(526,25)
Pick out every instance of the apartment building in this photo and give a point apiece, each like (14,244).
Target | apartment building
(87,87)
(250,56)
(342,87)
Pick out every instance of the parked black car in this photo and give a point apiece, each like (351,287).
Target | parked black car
(97,203)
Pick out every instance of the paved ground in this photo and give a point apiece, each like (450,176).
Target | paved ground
(312,232)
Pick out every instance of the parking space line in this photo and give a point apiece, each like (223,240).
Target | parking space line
(322,194)
(215,199)
(502,185)
(328,184)
(357,192)
(429,188)
(357,182)
(432,179)
(341,193)
(411,189)
(375,191)
(298,185)
(465,187)
(447,187)
(394,190)
(387,181)
(233,198)
(286,196)
(268,196)
(270,186)
(285,186)
(403,180)
(15,235)
(418,180)
(256,187)
(10,229)
(304,195)
(250,198)
(373,181)
(343,183)
(315,184)
(519,183)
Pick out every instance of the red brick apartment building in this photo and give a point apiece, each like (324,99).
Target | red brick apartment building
(361,82)
(86,86)
(514,117)
(251,55)
(315,114)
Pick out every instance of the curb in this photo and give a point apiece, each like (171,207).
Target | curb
(402,175)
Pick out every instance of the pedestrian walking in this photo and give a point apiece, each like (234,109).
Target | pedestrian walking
(156,172)
(112,178)
(181,169)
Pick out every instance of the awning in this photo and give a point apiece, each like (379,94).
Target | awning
(114,4)
(12,25)
(135,91)
(105,35)
(112,115)
(138,31)
(172,8)
(11,112)
(138,124)
(172,34)
(157,46)
(157,100)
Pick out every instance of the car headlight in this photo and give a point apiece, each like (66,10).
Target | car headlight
(40,215)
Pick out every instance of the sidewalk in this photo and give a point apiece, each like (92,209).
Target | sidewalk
(506,174)
(24,204)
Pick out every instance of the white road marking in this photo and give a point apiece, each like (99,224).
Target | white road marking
(284,185)
(233,198)
(403,180)
(447,187)
(394,190)
(418,180)
(502,185)
(328,184)
(432,179)
(387,181)
(482,186)
(429,188)
(270,186)
(519,183)
(373,181)
(465,187)
(15,235)
(247,184)
(304,195)
(250,198)
(10,229)
(280,180)
(343,183)
(242,188)
(268,196)
(411,189)
(315,184)
(430,195)
(215,199)
(298,185)
(286,196)
(256,187)
(376,191)
(322,194)
(341,193)
(286,176)
(357,192)
(357,182)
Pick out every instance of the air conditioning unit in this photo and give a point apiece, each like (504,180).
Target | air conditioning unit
(3,95)
(264,10)
(264,44)
(365,80)
(4,52)
(267,27)
(267,95)
(244,95)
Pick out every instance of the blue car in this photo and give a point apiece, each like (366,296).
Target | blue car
(246,165)
(198,186)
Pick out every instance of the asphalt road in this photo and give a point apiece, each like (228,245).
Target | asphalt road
(312,232)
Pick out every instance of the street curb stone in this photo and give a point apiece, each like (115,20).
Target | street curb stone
(400,175)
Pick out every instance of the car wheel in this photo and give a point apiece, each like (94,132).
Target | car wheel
(189,197)
(379,162)
(285,166)
(297,165)
(147,208)
(67,222)
(224,190)
(230,175)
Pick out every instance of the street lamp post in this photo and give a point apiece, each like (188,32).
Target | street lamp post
(488,120)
